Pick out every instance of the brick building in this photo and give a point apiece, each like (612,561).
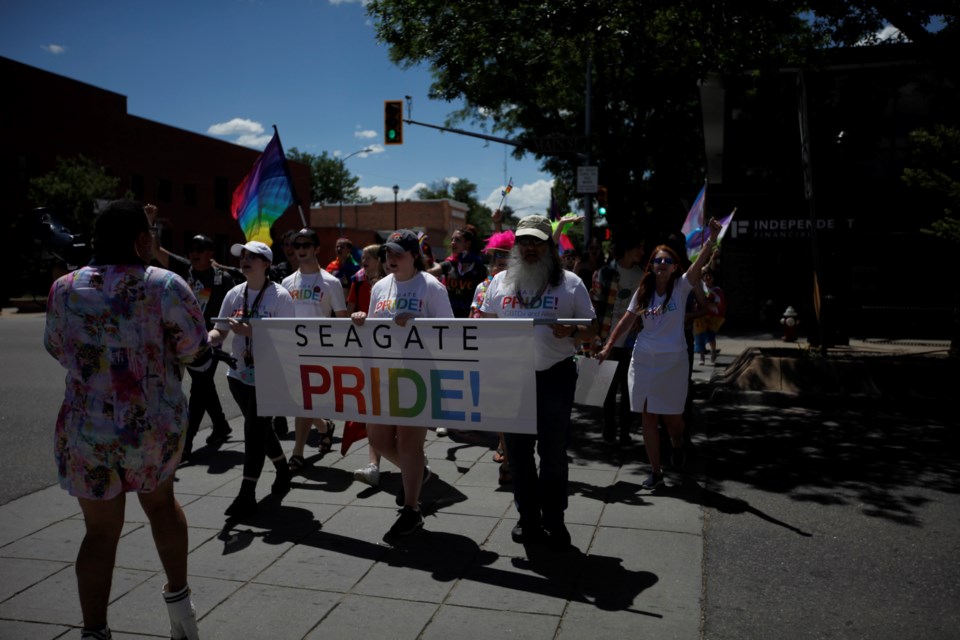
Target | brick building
(191,177)
(368,223)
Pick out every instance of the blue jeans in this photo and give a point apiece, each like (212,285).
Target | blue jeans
(543,498)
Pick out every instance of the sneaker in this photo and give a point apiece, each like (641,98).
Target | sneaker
(369,474)
(427,477)
(527,533)
(441,432)
(703,359)
(407,522)
(653,481)
(219,435)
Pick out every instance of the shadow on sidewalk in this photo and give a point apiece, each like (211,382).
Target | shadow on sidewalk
(597,580)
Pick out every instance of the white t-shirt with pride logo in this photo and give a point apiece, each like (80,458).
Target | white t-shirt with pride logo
(315,295)
(422,295)
(569,299)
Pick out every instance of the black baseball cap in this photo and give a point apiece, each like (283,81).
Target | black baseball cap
(309,234)
(403,241)
(201,240)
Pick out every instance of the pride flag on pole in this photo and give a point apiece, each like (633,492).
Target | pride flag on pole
(693,226)
(264,194)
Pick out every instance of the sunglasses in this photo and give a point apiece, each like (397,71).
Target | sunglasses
(527,241)
(663,261)
(302,245)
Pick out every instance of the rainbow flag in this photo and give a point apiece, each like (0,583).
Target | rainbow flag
(702,238)
(264,194)
(693,226)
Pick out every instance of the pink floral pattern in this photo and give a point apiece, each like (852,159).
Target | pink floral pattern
(123,334)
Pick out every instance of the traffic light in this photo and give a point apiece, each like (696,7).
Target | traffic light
(392,122)
(601,201)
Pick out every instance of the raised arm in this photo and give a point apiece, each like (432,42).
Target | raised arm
(693,273)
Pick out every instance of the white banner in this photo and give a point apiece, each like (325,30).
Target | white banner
(454,373)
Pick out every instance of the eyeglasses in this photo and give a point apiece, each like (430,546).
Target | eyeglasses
(663,261)
(528,241)
(302,245)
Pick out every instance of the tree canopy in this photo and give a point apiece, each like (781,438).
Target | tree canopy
(72,189)
(461,190)
(520,69)
(935,169)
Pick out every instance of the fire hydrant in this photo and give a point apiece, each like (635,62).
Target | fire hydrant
(789,322)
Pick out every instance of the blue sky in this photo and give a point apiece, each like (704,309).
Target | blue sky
(230,69)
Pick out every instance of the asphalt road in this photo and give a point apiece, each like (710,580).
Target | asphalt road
(31,391)
(831,523)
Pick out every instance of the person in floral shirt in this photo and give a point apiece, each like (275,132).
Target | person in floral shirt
(124,331)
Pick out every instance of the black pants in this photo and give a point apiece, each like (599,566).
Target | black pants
(260,441)
(621,355)
(545,494)
(204,399)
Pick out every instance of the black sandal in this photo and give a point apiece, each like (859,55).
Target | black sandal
(326,437)
(296,464)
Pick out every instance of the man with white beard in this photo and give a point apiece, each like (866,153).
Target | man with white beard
(535,285)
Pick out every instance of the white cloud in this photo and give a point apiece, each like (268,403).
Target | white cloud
(236,127)
(889,32)
(385,194)
(243,131)
(525,199)
(365,134)
(55,49)
(253,141)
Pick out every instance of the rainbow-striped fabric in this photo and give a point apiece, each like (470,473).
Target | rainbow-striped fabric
(265,194)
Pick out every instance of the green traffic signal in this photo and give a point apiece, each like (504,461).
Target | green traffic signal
(601,211)
(392,122)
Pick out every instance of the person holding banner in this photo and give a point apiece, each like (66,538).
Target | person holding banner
(535,285)
(406,292)
(316,294)
(361,284)
(660,367)
(256,298)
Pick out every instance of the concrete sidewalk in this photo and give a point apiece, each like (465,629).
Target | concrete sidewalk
(315,565)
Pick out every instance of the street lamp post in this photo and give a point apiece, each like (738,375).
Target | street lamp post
(396,190)
(343,170)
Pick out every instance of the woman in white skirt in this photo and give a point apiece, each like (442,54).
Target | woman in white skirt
(660,369)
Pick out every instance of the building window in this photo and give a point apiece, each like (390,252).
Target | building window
(164,190)
(136,186)
(190,195)
(221,193)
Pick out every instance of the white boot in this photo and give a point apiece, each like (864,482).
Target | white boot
(183,616)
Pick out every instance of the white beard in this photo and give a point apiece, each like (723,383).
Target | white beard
(522,276)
